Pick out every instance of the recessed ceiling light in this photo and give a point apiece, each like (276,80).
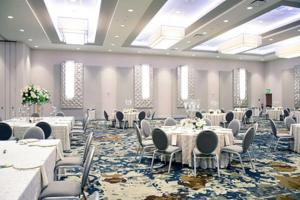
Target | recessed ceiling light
(178,12)
(117,36)
(138,51)
(260,21)
(204,33)
(10,17)
(109,50)
(188,42)
(176,48)
(112,44)
(226,20)
(299,30)
(77,48)
(130,10)
(122,25)
(168,53)
(250,8)
(21,30)
(193,55)
(30,40)
(218,56)
(271,39)
(36,46)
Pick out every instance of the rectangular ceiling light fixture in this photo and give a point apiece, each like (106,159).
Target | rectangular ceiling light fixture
(289,52)
(75,21)
(240,44)
(171,20)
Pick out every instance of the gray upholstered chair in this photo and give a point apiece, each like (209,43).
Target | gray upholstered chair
(35,133)
(161,143)
(46,127)
(288,121)
(5,131)
(235,126)
(146,129)
(228,118)
(80,132)
(247,116)
(238,150)
(206,143)
(170,122)
(144,145)
(207,121)
(120,119)
(73,162)
(198,115)
(60,114)
(280,138)
(69,189)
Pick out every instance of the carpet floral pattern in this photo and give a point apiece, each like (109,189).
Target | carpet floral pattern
(116,173)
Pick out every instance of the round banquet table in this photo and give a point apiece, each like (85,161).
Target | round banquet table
(186,138)
(129,116)
(215,118)
(238,115)
(274,114)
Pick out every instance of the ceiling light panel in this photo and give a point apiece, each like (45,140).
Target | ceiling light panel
(174,13)
(271,20)
(275,46)
(75,21)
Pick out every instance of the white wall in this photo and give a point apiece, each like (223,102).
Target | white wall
(109,78)
(276,72)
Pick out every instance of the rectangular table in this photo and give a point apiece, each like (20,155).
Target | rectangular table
(61,127)
(29,168)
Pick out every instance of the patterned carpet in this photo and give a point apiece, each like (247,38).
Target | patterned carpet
(116,174)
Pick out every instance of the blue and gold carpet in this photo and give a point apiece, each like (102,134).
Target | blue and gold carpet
(116,174)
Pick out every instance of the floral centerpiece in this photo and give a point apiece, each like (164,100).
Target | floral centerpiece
(193,123)
(32,94)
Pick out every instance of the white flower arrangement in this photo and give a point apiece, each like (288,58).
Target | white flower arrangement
(32,94)
(194,123)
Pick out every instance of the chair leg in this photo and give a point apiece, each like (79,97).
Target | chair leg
(252,151)
(152,160)
(137,151)
(195,165)
(252,165)
(218,167)
(142,155)
(241,161)
(170,162)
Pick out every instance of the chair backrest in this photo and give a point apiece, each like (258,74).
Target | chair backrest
(146,128)
(207,141)
(255,126)
(86,122)
(106,116)
(46,128)
(35,133)
(235,126)
(286,113)
(148,114)
(35,115)
(207,121)
(138,134)
(273,128)
(60,114)
(88,143)
(248,113)
(5,131)
(288,121)
(288,109)
(160,139)
(87,167)
(153,114)
(170,122)
(222,110)
(248,139)
(142,115)
(119,116)
(199,115)
(229,116)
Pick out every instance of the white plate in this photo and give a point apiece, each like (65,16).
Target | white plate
(44,143)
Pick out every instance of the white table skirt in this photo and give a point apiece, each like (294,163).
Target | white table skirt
(238,115)
(129,116)
(297,115)
(26,184)
(215,118)
(295,131)
(274,114)
(186,139)
(61,127)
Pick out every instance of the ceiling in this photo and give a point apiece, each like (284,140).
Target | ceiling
(121,21)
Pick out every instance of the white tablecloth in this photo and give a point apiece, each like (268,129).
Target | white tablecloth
(297,115)
(129,116)
(186,138)
(274,114)
(238,115)
(61,127)
(31,168)
(295,131)
(215,118)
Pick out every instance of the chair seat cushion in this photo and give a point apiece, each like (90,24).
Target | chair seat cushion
(171,149)
(61,189)
(147,142)
(69,161)
(198,153)
(77,131)
(238,141)
(233,148)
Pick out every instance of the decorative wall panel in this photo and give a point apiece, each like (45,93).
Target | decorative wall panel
(77,101)
(139,102)
(191,85)
(297,86)
(237,101)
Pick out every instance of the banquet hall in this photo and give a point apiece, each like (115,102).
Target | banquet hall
(149,99)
